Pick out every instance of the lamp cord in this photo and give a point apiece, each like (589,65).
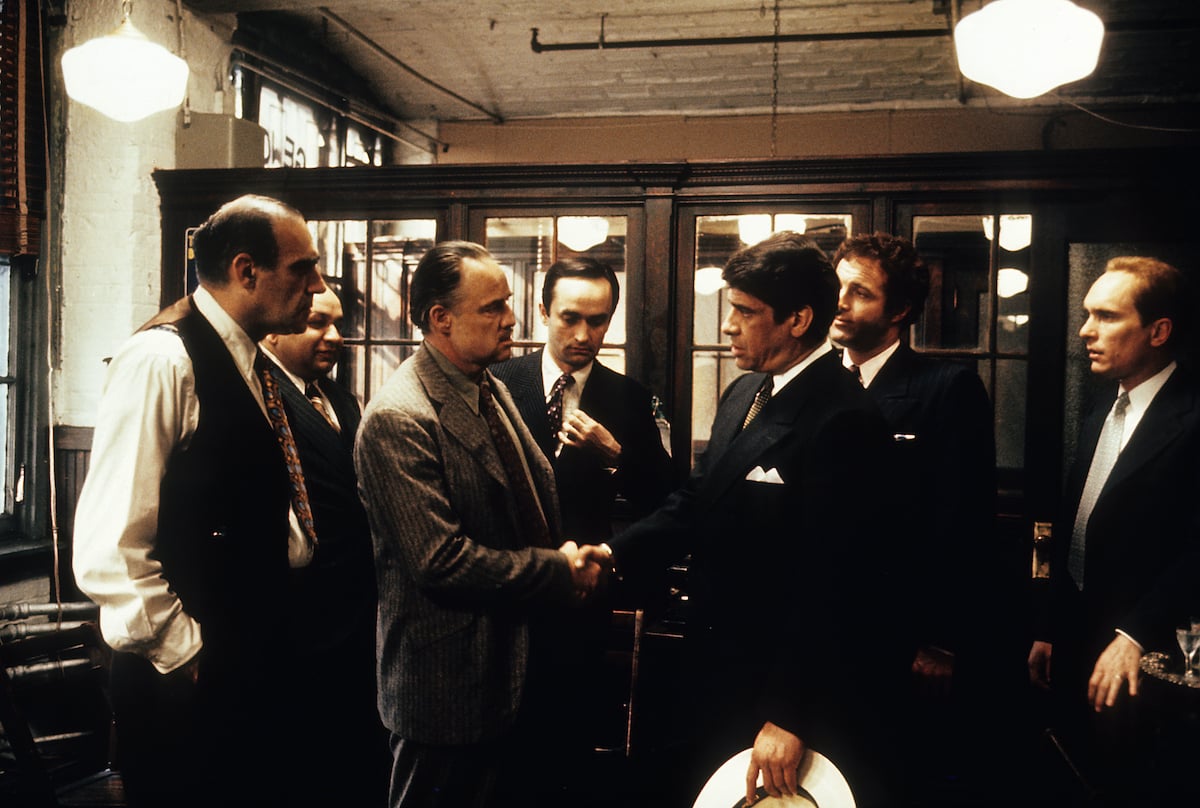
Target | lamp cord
(775,85)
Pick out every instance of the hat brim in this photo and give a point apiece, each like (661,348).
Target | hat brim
(821,785)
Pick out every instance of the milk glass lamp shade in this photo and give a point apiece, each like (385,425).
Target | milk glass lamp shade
(124,75)
(1025,48)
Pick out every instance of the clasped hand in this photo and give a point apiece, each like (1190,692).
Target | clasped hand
(589,564)
(582,431)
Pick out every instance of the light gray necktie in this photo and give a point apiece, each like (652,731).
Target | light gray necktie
(1108,447)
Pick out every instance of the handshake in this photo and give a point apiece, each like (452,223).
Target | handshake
(590,564)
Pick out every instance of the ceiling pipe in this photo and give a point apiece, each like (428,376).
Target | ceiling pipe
(764,39)
(603,43)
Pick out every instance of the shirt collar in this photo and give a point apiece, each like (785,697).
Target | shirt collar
(782,379)
(870,369)
(463,384)
(241,347)
(551,371)
(1141,395)
(296,380)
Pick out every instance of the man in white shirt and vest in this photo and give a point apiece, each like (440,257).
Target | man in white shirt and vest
(193,518)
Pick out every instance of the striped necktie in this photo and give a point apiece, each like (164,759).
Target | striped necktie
(313,393)
(760,400)
(529,510)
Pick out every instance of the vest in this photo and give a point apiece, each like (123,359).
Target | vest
(223,508)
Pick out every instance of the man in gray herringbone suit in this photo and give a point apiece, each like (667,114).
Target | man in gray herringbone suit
(474,580)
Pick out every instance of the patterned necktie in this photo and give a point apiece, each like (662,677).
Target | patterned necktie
(1108,447)
(283,433)
(529,511)
(554,407)
(313,393)
(760,400)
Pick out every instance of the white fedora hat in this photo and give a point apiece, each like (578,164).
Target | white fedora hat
(821,785)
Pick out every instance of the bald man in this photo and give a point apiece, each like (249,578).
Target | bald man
(190,527)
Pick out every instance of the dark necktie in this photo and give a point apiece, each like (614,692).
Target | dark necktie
(283,433)
(554,407)
(857,371)
(760,400)
(313,393)
(1108,447)
(529,511)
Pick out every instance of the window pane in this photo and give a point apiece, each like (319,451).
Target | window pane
(5,310)
(396,249)
(1009,397)
(957,253)
(712,371)
(1012,283)
(524,246)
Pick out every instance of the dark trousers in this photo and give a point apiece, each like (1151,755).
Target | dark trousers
(226,739)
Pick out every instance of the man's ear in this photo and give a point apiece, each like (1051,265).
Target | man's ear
(899,316)
(440,318)
(801,321)
(545,314)
(243,272)
(1160,332)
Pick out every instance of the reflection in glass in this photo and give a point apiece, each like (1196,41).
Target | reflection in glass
(712,371)
(369,265)
(1009,395)
(958,256)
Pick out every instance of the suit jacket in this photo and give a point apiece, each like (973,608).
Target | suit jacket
(941,419)
(459,584)
(1140,560)
(790,582)
(586,490)
(332,609)
(336,592)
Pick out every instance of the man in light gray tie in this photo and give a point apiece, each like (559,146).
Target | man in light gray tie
(1125,573)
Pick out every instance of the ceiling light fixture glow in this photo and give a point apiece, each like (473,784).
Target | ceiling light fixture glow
(581,233)
(124,75)
(1025,48)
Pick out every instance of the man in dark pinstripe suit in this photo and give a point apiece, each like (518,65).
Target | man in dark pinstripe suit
(469,560)
(333,598)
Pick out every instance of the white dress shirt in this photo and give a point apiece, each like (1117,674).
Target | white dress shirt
(868,370)
(148,410)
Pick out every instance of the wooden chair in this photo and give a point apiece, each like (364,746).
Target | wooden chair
(55,717)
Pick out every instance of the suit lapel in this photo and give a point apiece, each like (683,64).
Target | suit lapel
(1162,423)
(307,422)
(465,426)
(735,450)
(457,418)
(525,384)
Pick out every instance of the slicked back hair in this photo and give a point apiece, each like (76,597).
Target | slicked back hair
(1162,291)
(579,268)
(437,277)
(788,272)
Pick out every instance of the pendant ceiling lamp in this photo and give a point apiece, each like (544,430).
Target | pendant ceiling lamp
(1025,48)
(124,75)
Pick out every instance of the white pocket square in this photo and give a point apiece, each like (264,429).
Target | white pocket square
(757,475)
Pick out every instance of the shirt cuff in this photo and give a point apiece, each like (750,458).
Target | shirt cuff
(1141,648)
